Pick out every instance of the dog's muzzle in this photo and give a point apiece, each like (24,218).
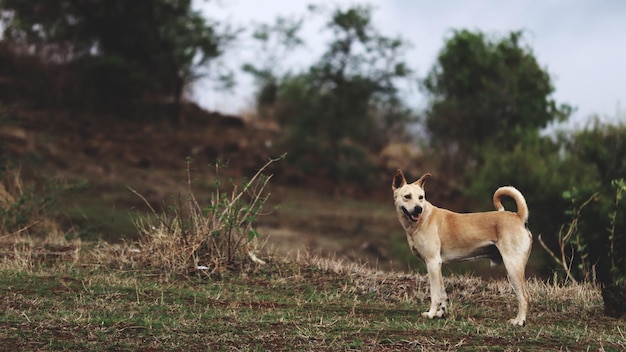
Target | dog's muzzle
(413,215)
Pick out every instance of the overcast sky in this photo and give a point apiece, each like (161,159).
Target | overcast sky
(582,43)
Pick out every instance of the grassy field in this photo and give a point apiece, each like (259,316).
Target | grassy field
(74,293)
(53,301)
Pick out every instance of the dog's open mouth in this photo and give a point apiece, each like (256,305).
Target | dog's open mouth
(414,215)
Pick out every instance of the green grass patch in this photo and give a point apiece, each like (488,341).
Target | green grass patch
(309,305)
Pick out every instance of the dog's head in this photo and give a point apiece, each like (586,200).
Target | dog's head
(409,198)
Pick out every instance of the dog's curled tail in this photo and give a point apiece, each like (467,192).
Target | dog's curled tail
(522,208)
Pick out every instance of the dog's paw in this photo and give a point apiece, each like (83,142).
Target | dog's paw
(438,314)
(518,321)
(441,312)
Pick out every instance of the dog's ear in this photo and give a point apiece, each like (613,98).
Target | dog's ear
(398,180)
(422,179)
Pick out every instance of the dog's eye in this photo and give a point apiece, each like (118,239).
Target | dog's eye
(421,197)
(407,196)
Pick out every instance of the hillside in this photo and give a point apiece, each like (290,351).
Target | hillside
(112,155)
(53,130)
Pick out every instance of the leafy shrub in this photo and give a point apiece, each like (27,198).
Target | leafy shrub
(594,233)
(590,245)
(601,148)
(123,47)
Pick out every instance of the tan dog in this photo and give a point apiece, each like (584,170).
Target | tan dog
(439,236)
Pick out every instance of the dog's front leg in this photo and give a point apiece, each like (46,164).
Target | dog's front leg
(438,296)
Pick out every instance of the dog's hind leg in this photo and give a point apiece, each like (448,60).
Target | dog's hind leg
(515,271)
(438,296)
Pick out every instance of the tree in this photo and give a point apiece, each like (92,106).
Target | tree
(346,105)
(602,147)
(485,92)
(131,49)
(276,42)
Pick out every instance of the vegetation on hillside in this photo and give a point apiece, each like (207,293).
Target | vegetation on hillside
(117,53)
(346,106)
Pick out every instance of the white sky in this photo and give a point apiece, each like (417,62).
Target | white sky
(582,43)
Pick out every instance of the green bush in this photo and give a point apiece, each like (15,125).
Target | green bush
(588,244)
(601,149)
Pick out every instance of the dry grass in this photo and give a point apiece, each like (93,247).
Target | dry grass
(152,295)
(191,237)
(11,195)
(28,237)
(403,287)
(304,302)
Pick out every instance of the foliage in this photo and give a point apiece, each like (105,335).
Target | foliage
(154,47)
(486,92)
(617,237)
(580,172)
(489,101)
(602,147)
(571,242)
(189,237)
(599,234)
(275,42)
(589,255)
(346,105)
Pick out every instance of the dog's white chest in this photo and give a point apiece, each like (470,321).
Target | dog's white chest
(416,244)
